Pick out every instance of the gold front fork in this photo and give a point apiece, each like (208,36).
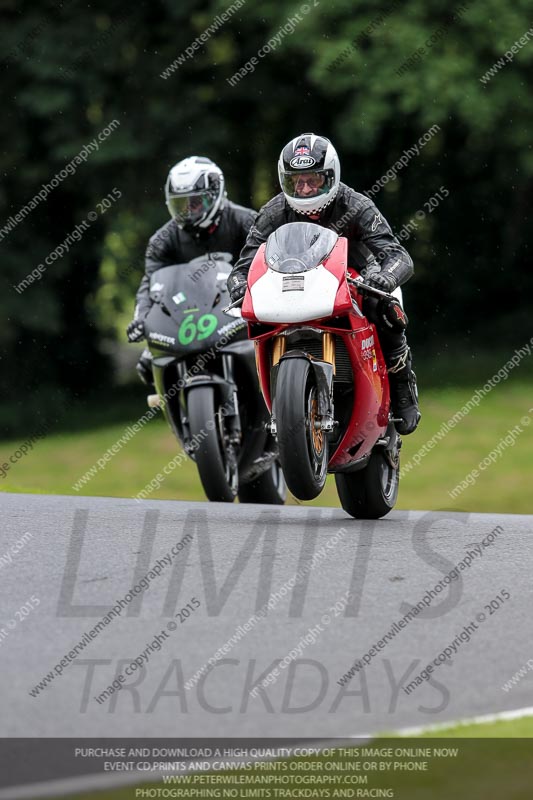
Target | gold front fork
(328,349)
(278,349)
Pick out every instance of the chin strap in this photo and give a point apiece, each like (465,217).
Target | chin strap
(308,213)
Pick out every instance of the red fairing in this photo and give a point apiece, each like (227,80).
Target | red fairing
(257,270)
(371,410)
(336,263)
(355,338)
(263,349)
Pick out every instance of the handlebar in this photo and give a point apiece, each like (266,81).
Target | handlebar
(235,304)
(361,286)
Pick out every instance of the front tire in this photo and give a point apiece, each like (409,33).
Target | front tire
(303,448)
(371,492)
(215,456)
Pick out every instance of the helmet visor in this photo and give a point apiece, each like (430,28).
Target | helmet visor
(188,209)
(307,184)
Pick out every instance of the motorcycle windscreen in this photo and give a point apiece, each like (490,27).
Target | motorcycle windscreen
(296,286)
(298,247)
(187,316)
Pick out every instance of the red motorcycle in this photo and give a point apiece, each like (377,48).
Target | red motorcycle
(321,370)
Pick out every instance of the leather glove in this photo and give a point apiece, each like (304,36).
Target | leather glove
(237,288)
(383,281)
(135,330)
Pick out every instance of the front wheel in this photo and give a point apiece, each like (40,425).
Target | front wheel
(303,446)
(371,492)
(215,456)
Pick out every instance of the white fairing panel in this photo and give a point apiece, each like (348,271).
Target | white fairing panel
(294,297)
(397,293)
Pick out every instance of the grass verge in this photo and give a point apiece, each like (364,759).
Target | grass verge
(57,462)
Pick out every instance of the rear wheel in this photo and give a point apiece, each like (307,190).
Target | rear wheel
(269,488)
(371,492)
(215,456)
(303,446)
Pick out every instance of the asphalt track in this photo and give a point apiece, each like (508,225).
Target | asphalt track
(78,565)
(86,553)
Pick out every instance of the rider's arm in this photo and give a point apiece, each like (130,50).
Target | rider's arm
(371,227)
(160,252)
(246,222)
(258,233)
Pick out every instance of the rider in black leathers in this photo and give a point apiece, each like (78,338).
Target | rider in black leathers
(309,172)
(203,222)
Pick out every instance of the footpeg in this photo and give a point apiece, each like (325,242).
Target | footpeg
(271,427)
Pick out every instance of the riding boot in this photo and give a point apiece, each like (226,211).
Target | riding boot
(144,369)
(403,390)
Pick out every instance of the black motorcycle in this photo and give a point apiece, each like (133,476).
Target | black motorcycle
(206,380)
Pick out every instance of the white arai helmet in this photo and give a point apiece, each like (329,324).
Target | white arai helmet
(195,192)
(309,173)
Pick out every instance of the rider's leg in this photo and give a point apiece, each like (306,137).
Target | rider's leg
(397,355)
(403,388)
(144,368)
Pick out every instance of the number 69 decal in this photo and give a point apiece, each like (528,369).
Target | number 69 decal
(190,330)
